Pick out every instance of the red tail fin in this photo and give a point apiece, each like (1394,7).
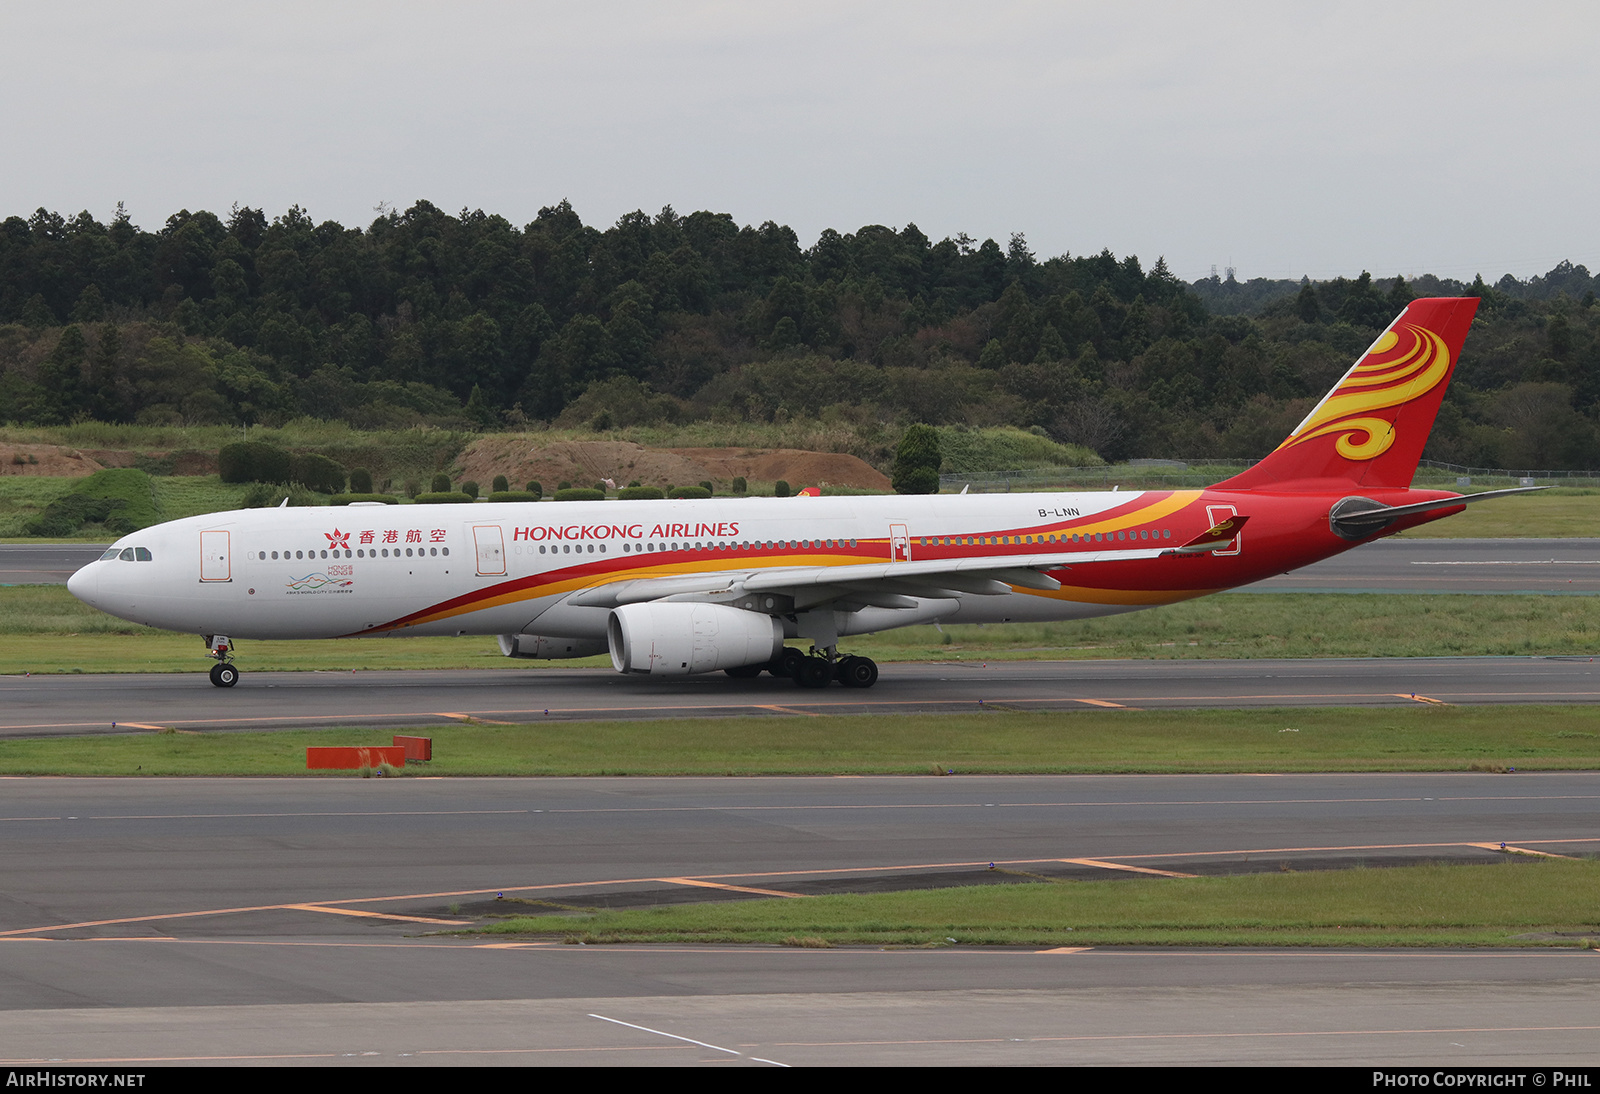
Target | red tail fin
(1371,428)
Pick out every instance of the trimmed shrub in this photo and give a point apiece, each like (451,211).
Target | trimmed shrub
(443,497)
(469,488)
(253,461)
(67,514)
(580,493)
(316,472)
(119,498)
(705,485)
(780,489)
(441,483)
(346,499)
(536,488)
(739,485)
(361,481)
(513,495)
(500,485)
(688,492)
(640,493)
(265,495)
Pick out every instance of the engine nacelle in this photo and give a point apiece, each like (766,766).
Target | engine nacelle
(676,639)
(542,647)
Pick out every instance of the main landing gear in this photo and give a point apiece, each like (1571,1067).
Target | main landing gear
(817,670)
(223,674)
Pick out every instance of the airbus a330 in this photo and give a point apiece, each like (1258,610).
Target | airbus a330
(678,587)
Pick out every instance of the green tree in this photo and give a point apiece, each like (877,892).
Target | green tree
(916,461)
(65,396)
(1306,305)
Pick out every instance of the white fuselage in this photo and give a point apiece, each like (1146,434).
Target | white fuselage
(517,567)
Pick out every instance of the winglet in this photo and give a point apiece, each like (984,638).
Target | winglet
(1213,538)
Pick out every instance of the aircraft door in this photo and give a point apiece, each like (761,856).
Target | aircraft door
(899,543)
(1216,514)
(215,563)
(491,545)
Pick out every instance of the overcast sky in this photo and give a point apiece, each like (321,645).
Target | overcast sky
(1282,139)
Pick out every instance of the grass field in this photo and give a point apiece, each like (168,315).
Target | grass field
(1489,905)
(43,629)
(23,497)
(1423,738)
(1555,514)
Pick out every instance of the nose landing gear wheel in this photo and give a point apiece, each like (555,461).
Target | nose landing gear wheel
(224,676)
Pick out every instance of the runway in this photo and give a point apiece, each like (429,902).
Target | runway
(289,921)
(296,921)
(45,563)
(1558,566)
(35,706)
(1565,566)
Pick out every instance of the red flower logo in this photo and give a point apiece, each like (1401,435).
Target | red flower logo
(338,539)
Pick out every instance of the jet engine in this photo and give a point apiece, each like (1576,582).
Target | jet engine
(665,638)
(542,647)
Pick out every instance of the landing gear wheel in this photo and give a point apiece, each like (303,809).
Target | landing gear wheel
(745,672)
(858,672)
(224,676)
(787,663)
(813,672)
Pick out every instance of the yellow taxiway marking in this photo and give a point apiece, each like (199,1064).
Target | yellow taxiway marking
(1100,703)
(787,710)
(710,880)
(1420,698)
(1106,865)
(471,719)
(377,915)
(697,883)
(1066,949)
(1517,850)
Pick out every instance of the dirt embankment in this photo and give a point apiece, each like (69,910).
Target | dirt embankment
(53,460)
(60,461)
(584,463)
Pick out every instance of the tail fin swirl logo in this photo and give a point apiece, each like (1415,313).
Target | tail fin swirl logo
(1391,374)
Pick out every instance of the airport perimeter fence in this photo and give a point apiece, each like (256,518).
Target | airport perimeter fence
(1179,474)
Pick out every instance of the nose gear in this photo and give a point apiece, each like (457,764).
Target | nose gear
(220,647)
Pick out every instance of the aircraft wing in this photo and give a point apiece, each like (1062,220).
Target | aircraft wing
(884,584)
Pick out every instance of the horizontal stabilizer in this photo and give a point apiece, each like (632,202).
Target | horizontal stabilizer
(1354,518)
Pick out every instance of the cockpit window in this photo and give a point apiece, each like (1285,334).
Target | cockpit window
(142,554)
(127,554)
(110,553)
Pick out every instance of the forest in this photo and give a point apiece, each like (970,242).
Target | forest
(427,319)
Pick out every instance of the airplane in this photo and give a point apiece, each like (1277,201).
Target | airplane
(675,587)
